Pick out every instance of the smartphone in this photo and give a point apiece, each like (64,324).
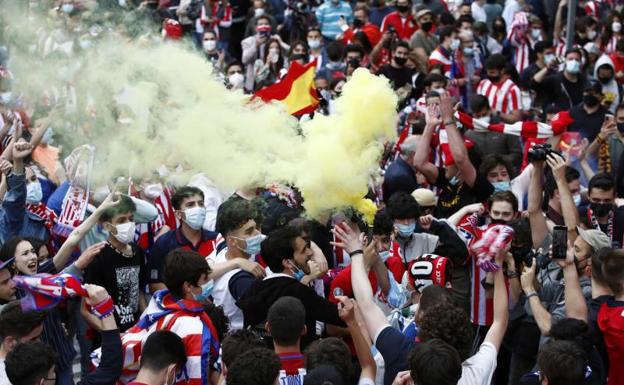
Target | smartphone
(560,242)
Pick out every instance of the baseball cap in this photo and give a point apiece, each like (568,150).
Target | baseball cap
(424,197)
(6,263)
(421,11)
(595,238)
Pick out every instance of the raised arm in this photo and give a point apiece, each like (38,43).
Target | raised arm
(568,208)
(541,315)
(350,241)
(346,309)
(539,229)
(456,142)
(501,306)
(423,147)
(575,304)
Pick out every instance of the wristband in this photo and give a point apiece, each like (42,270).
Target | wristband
(103,309)
(532,294)
(354,252)
(511,274)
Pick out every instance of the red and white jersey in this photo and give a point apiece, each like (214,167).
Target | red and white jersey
(481,308)
(609,48)
(438,57)
(520,39)
(163,203)
(503,96)
(142,229)
(560,46)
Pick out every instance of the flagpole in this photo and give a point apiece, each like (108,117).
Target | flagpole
(570,25)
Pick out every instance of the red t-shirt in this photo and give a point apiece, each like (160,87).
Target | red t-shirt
(611,323)
(293,368)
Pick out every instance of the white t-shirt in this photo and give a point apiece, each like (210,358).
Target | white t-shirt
(4,380)
(479,369)
(221,292)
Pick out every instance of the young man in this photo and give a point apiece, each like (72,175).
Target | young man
(32,363)
(401,21)
(235,344)
(120,266)
(162,357)
(397,72)
(561,362)
(237,224)
(503,94)
(589,115)
(444,53)
(179,309)
(395,347)
(286,326)
(259,366)
(17,326)
(288,254)
(423,41)
(188,203)
(602,213)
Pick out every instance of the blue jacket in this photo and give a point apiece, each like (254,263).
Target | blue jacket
(14,219)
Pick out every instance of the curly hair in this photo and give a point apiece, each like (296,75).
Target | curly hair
(450,324)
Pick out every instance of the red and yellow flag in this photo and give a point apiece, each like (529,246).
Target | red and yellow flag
(296,90)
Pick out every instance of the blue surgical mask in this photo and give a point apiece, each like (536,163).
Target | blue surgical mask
(384,255)
(397,297)
(406,230)
(573,66)
(502,186)
(577,199)
(194,217)
(298,273)
(204,296)
(34,193)
(252,244)
(468,51)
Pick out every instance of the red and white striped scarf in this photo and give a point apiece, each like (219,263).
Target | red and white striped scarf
(42,211)
(526,130)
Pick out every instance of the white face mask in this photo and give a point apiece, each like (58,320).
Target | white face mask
(194,217)
(573,66)
(548,58)
(591,34)
(455,44)
(616,26)
(258,12)
(34,194)
(536,33)
(314,43)
(236,80)
(67,8)
(440,91)
(209,45)
(153,191)
(274,53)
(125,232)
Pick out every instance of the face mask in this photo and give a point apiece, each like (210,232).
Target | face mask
(314,43)
(400,61)
(48,136)
(252,244)
(67,8)
(357,23)
(591,100)
(204,296)
(501,186)
(455,44)
(384,255)
(297,272)
(405,231)
(468,51)
(258,12)
(591,34)
(427,26)
(236,80)
(573,66)
(604,80)
(194,217)
(274,55)
(34,193)
(209,45)
(616,26)
(440,91)
(402,8)
(498,221)
(153,191)
(494,79)
(536,33)
(5,97)
(601,209)
(125,232)
(620,127)
(577,200)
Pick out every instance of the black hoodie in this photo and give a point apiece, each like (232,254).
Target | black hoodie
(263,293)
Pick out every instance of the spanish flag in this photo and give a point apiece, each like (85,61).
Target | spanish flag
(296,89)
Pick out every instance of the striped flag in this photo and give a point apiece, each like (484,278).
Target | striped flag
(45,291)
(526,130)
(296,90)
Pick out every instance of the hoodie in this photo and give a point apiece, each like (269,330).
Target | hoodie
(612,88)
(263,293)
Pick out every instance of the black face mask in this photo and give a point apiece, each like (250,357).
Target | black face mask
(620,127)
(604,80)
(357,23)
(601,209)
(591,100)
(498,221)
(426,26)
(400,61)
(354,63)
(494,79)
(402,8)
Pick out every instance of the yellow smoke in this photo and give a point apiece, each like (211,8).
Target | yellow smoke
(174,111)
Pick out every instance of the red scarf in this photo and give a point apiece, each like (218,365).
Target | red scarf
(42,211)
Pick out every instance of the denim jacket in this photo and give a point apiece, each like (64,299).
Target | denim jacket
(14,219)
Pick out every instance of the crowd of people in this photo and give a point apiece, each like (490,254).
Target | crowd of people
(494,256)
